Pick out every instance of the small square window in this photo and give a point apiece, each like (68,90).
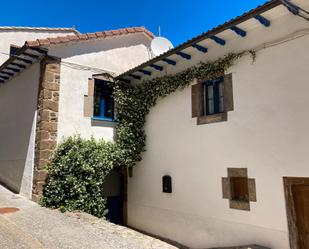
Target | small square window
(239,189)
(103,100)
(212,99)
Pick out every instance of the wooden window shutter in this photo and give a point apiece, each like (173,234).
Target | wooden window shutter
(88,99)
(196,99)
(228,93)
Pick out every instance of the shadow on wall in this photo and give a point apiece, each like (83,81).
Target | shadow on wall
(18,104)
(16,171)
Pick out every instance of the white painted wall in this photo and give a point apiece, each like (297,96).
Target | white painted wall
(18,102)
(18,99)
(266,133)
(116,55)
(18,37)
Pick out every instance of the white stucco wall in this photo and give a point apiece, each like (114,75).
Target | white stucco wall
(18,37)
(115,55)
(267,133)
(18,99)
(18,102)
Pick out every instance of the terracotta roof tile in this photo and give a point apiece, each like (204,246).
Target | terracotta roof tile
(116,32)
(100,34)
(149,33)
(123,31)
(83,37)
(43,41)
(63,39)
(139,29)
(108,33)
(87,36)
(53,40)
(91,35)
(131,30)
(72,37)
(33,43)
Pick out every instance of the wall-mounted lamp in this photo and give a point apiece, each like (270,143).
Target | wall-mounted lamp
(167,184)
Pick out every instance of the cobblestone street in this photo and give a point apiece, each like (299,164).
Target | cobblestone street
(35,227)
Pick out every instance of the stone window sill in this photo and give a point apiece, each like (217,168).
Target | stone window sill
(219,117)
(104,122)
(240,205)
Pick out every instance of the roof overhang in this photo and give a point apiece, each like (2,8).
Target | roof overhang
(35,50)
(18,62)
(239,25)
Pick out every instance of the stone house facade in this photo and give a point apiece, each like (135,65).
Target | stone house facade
(226,160)
(236,157)
(51,79)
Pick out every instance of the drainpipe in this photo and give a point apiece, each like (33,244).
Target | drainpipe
(296,10)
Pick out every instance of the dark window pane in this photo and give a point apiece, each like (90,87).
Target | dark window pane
(213,96)
(103,100)
(239,188)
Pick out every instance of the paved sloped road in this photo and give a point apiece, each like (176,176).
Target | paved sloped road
(35,227)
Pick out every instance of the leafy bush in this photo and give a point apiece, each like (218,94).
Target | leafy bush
(76,174)
(79,167)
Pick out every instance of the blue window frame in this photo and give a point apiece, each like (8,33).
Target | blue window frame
(103,101)
(213,99)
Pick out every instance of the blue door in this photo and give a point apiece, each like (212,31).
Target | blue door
(112,189)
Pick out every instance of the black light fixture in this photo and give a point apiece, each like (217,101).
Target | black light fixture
(167,184)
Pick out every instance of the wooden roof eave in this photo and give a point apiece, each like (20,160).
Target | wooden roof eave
(207,35)
(12,63)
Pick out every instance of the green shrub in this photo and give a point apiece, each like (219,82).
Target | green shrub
(76,174)
(79,167)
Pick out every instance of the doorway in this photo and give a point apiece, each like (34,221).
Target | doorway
(114,190)
(297,204)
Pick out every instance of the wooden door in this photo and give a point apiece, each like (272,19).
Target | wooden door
(301,202)
(297,203)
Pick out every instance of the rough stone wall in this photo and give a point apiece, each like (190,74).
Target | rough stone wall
(47,122)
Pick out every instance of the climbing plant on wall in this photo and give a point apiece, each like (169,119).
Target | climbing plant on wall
(135,101)
(78,167)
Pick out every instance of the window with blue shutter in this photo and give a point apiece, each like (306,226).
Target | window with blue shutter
(211,100)
(103,101)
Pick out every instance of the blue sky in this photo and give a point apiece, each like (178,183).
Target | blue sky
(180,20)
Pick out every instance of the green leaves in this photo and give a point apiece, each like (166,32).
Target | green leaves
(76,175)
(79,167)
(134,102)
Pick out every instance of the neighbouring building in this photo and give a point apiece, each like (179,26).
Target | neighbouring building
(13,37)
(48,95)
(227,159)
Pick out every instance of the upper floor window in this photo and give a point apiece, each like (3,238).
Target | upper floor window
(213,96)
(212,99)
(103,100)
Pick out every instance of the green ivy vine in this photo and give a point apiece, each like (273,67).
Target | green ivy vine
(78,167)
(135,101)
